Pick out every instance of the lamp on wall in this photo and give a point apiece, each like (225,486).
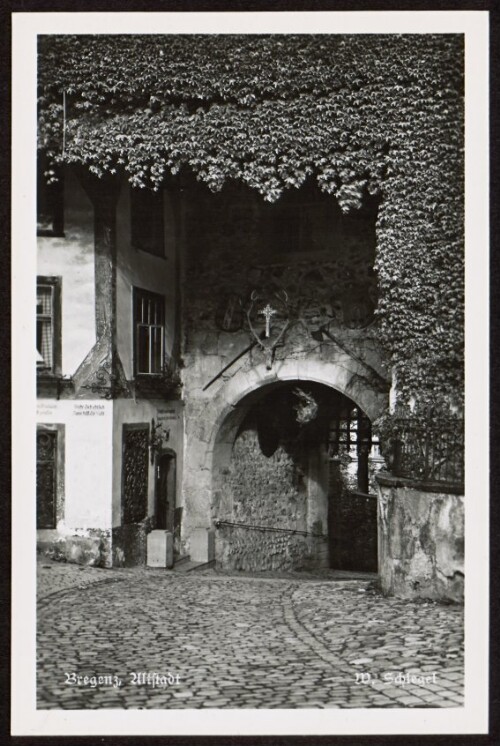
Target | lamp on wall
(157,439)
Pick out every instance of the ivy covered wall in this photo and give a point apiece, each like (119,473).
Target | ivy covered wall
(360,114)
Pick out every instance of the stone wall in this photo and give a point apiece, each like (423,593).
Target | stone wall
(262,491)
(90,547)
(228,255)
(232,251)
(213,417)
(421,541)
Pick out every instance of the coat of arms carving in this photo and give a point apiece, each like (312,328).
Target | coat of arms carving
(268,319)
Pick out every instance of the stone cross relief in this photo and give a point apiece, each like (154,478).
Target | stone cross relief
(268,313)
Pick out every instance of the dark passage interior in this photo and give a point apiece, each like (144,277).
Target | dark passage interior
(298,492)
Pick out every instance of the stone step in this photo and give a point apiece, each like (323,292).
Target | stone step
(188,565)
(202,566)
(182,559)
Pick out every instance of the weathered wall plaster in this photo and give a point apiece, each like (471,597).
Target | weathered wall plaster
(71,257)
(87,476)
(421,541)
(137,268)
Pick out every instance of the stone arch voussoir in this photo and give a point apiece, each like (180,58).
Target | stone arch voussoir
(222,409)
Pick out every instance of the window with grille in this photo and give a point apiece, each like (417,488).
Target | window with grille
(349,431)
(149,332)
(46,478)
(48,324)
(350,436)
(146,221)
(134,472)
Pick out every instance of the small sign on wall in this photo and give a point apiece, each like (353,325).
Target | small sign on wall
(45,409)
(166,415)
(85,409)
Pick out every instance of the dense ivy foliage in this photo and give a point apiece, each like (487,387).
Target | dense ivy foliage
(360,113)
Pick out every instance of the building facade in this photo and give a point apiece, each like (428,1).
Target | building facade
(244,278)
(206,363)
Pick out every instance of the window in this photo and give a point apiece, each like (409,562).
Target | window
(49,199)
(146,216)
(149,332)
(134,473)
(350,430)
(48,324)
(46,478)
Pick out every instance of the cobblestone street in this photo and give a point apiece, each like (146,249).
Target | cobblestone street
(149,638)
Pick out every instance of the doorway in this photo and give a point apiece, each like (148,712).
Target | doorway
(296,490)
(165,493)
(354,459)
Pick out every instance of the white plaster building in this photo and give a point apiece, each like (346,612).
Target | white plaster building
(135,291)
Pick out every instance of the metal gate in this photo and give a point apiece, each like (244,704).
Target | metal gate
(353,531)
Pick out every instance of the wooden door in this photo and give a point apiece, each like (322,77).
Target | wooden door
(165,492)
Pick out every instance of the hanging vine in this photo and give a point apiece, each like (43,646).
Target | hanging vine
(378,114)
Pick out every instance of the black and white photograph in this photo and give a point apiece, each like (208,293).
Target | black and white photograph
(253,445)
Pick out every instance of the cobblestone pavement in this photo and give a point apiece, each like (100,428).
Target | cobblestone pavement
(160,639)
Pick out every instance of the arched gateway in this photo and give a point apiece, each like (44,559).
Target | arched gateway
(264,470)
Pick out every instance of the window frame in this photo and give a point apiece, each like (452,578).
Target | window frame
(55,283)
(127,519)
(139,294)
(58,432)
(350,430)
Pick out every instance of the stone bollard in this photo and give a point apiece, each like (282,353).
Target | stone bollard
(160,549)
(202,548)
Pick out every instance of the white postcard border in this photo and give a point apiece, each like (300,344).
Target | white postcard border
(473,717)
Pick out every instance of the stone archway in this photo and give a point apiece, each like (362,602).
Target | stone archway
(291,484)
(212,420)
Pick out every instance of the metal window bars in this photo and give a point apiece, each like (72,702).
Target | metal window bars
(44,326)
(150,333)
